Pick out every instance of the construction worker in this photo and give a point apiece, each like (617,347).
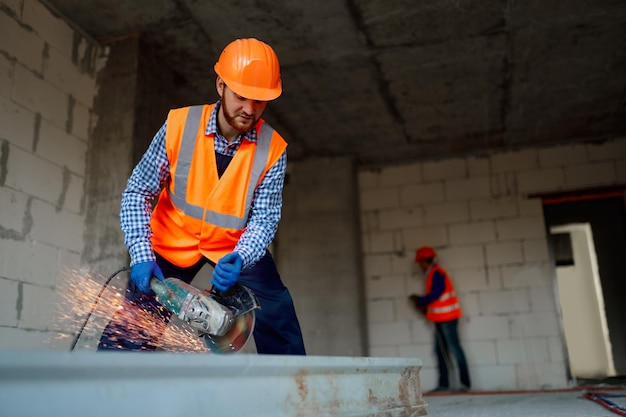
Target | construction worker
(441,306)
(218,171)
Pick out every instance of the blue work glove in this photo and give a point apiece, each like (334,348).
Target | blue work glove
(142,273)
(227,270)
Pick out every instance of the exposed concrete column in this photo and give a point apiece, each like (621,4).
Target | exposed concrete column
(135,92)
(318,254)
(110,157)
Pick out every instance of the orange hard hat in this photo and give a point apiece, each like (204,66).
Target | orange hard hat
(425,252)
(250,68)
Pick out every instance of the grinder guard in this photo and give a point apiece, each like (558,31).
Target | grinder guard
(242,302)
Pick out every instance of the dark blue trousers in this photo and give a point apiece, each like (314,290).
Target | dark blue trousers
(447,342)
(277,330)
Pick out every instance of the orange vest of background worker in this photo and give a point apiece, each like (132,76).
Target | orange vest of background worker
(443,309)
(188,222)
(446,307)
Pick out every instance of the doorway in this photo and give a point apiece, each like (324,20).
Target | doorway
(592,284)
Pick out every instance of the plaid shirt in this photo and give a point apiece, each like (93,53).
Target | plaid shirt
(152,173)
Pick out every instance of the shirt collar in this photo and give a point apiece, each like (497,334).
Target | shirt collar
(211,128)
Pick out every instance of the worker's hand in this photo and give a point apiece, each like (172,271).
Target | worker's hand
(414,298)
(142,273)
(227,270)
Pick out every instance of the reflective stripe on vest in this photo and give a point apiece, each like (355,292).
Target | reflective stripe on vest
(183,166)
(446,296)
(447,309)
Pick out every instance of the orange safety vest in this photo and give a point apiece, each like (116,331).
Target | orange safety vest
(447,306)
(197,213)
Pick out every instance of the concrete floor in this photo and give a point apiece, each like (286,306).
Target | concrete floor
(569,403)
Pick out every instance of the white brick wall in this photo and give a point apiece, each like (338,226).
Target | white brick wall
(494,377)
(381,310)
(413,237)
(481,352)
(44,141)
(31,262)
(586,175)
(406,174)
(608,151)
(562,156)
(33,175)
(542,375)
(483,209)
(521,228)
(472,233)
(6,75)
(468,188)
(478,166)
(19,42)
(37,95)
(61,148)
(504,302)
(446,169)
(413,195)
(396,219)
(393,333)
(38,307)
(446,213)
(19,131)
(54,31)
(9,294)
(504,253)
(551,179)
(380,198)
(515,161)
(474,279)
(492,240)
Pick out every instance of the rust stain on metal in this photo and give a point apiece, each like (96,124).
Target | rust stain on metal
(381,396)
(410,392)
(409,386)
(303,388)
(380,403)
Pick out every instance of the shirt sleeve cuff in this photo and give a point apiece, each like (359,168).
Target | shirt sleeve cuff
(141,252)
(246,257)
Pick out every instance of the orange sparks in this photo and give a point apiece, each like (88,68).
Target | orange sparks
(81,308)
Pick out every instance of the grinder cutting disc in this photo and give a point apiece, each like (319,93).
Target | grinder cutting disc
(242,301)
(235,339)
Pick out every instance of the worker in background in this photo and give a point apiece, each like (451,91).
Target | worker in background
(218,171)
(442,307)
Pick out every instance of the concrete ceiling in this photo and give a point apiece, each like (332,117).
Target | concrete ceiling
(388,81)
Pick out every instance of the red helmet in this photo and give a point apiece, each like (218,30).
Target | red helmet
(425,252)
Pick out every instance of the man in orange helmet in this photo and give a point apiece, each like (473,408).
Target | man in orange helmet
(218,171)
(442,307)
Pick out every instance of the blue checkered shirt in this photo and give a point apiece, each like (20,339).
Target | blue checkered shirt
(152,173)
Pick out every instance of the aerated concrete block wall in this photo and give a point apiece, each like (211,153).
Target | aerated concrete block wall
(492,240)
(47,86)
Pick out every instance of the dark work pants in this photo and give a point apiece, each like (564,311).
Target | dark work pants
(447,342)
(276,331)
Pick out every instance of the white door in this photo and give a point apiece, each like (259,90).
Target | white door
(582,305)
